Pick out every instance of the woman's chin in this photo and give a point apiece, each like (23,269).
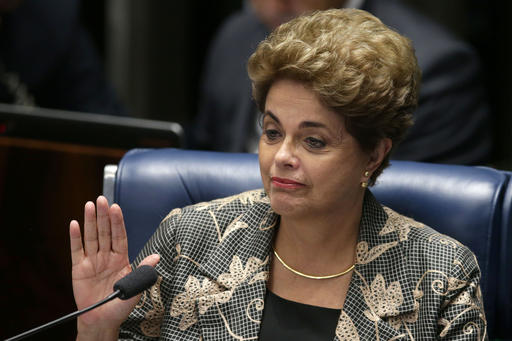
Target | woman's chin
(285,206)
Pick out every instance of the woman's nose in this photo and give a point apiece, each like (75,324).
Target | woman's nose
(286,155)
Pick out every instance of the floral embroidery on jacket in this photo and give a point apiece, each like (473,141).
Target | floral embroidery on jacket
(365,256)
(382,301)
(399,223)
(185,303)
(346,330)
(153,319)
(207,293)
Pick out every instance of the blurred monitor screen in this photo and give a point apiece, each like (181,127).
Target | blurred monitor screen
(87,129)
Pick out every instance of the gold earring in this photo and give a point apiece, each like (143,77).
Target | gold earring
(364,184)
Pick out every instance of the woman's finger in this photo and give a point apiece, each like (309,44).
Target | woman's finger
(75,238)
(119,239)
(151,260)
(90,231)
(103,223)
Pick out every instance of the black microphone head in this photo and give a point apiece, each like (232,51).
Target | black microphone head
(135,282)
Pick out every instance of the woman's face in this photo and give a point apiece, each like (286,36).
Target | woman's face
(309,163)
(275,12)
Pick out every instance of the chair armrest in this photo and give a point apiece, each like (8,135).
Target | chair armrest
(109,182)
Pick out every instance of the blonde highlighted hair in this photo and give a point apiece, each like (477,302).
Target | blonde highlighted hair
(354,63)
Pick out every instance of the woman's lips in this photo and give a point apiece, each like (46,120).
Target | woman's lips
(285,183)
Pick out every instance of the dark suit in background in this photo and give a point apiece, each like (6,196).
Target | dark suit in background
(48,57)
(452,122)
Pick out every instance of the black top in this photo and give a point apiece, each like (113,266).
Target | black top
(288,320)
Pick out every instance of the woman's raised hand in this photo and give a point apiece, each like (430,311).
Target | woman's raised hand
(99,262)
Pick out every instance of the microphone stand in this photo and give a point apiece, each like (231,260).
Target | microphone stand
(130,285)
(110,297)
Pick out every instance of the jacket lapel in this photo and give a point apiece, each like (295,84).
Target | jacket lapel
(380,297)
(238,267)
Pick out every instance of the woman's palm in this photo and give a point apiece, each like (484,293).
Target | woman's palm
(100,262)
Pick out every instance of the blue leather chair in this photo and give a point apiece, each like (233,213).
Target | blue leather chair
(471,204)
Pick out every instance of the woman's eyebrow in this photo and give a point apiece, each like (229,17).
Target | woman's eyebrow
(271,115)
(302,125)
(312,124)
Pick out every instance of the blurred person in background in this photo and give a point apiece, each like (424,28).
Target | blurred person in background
(47,59)
(452,121)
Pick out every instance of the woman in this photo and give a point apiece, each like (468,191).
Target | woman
(312,256)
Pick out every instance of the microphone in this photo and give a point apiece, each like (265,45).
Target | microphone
(134,283)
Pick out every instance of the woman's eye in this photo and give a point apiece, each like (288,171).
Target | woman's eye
(271,134)
(315,143)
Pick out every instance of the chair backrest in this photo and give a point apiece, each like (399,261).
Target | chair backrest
(471,204)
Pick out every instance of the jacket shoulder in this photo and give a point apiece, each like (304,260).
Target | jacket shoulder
(426,246)
(214,217)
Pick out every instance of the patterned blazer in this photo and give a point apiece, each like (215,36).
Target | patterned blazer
(409,282)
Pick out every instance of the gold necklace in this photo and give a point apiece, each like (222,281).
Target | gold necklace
(311,276)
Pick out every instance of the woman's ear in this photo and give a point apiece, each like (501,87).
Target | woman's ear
(379,153)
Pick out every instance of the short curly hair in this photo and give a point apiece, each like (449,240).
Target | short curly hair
(355,64)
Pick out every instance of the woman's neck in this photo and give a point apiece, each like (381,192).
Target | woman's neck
(321,242)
